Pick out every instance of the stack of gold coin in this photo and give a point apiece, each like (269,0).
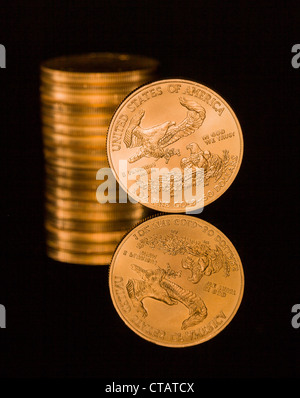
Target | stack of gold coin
(79,95)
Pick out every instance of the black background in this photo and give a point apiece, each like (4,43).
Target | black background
(60,319)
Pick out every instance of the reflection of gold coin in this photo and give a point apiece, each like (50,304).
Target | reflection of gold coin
(176,280)
(176,124)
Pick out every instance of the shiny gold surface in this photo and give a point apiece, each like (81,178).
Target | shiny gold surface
(79,95)
(71,204)
(73,183)
(91,226)
(176,280)
(80,247)
(75,109)
(176,124)
(75,152)
(82,236)
(85,195)
(71,173)
(112,215)
(71,120)
(71,97)
(62,140)
(78,258)
(98,69)
(74,130)
(73,162)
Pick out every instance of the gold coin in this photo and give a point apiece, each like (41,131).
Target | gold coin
(86,142)
(101,86)
(87,195)
(101,216)
(72,183)
(50,118)
(69,152)
(71,173)
(79,247)
(81,236)
(176,280)
(93,205)
(88,89)
(98,68)
(74,130)
(89,226)
(73,162)
(180,125)
(78,110)
(78,258)
(109,100)
(79,194)
(89,143)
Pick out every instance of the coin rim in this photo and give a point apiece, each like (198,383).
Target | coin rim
(78,259)
(50,71)
(175,80)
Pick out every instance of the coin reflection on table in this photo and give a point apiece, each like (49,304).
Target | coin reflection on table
(176,280)
(79,94)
